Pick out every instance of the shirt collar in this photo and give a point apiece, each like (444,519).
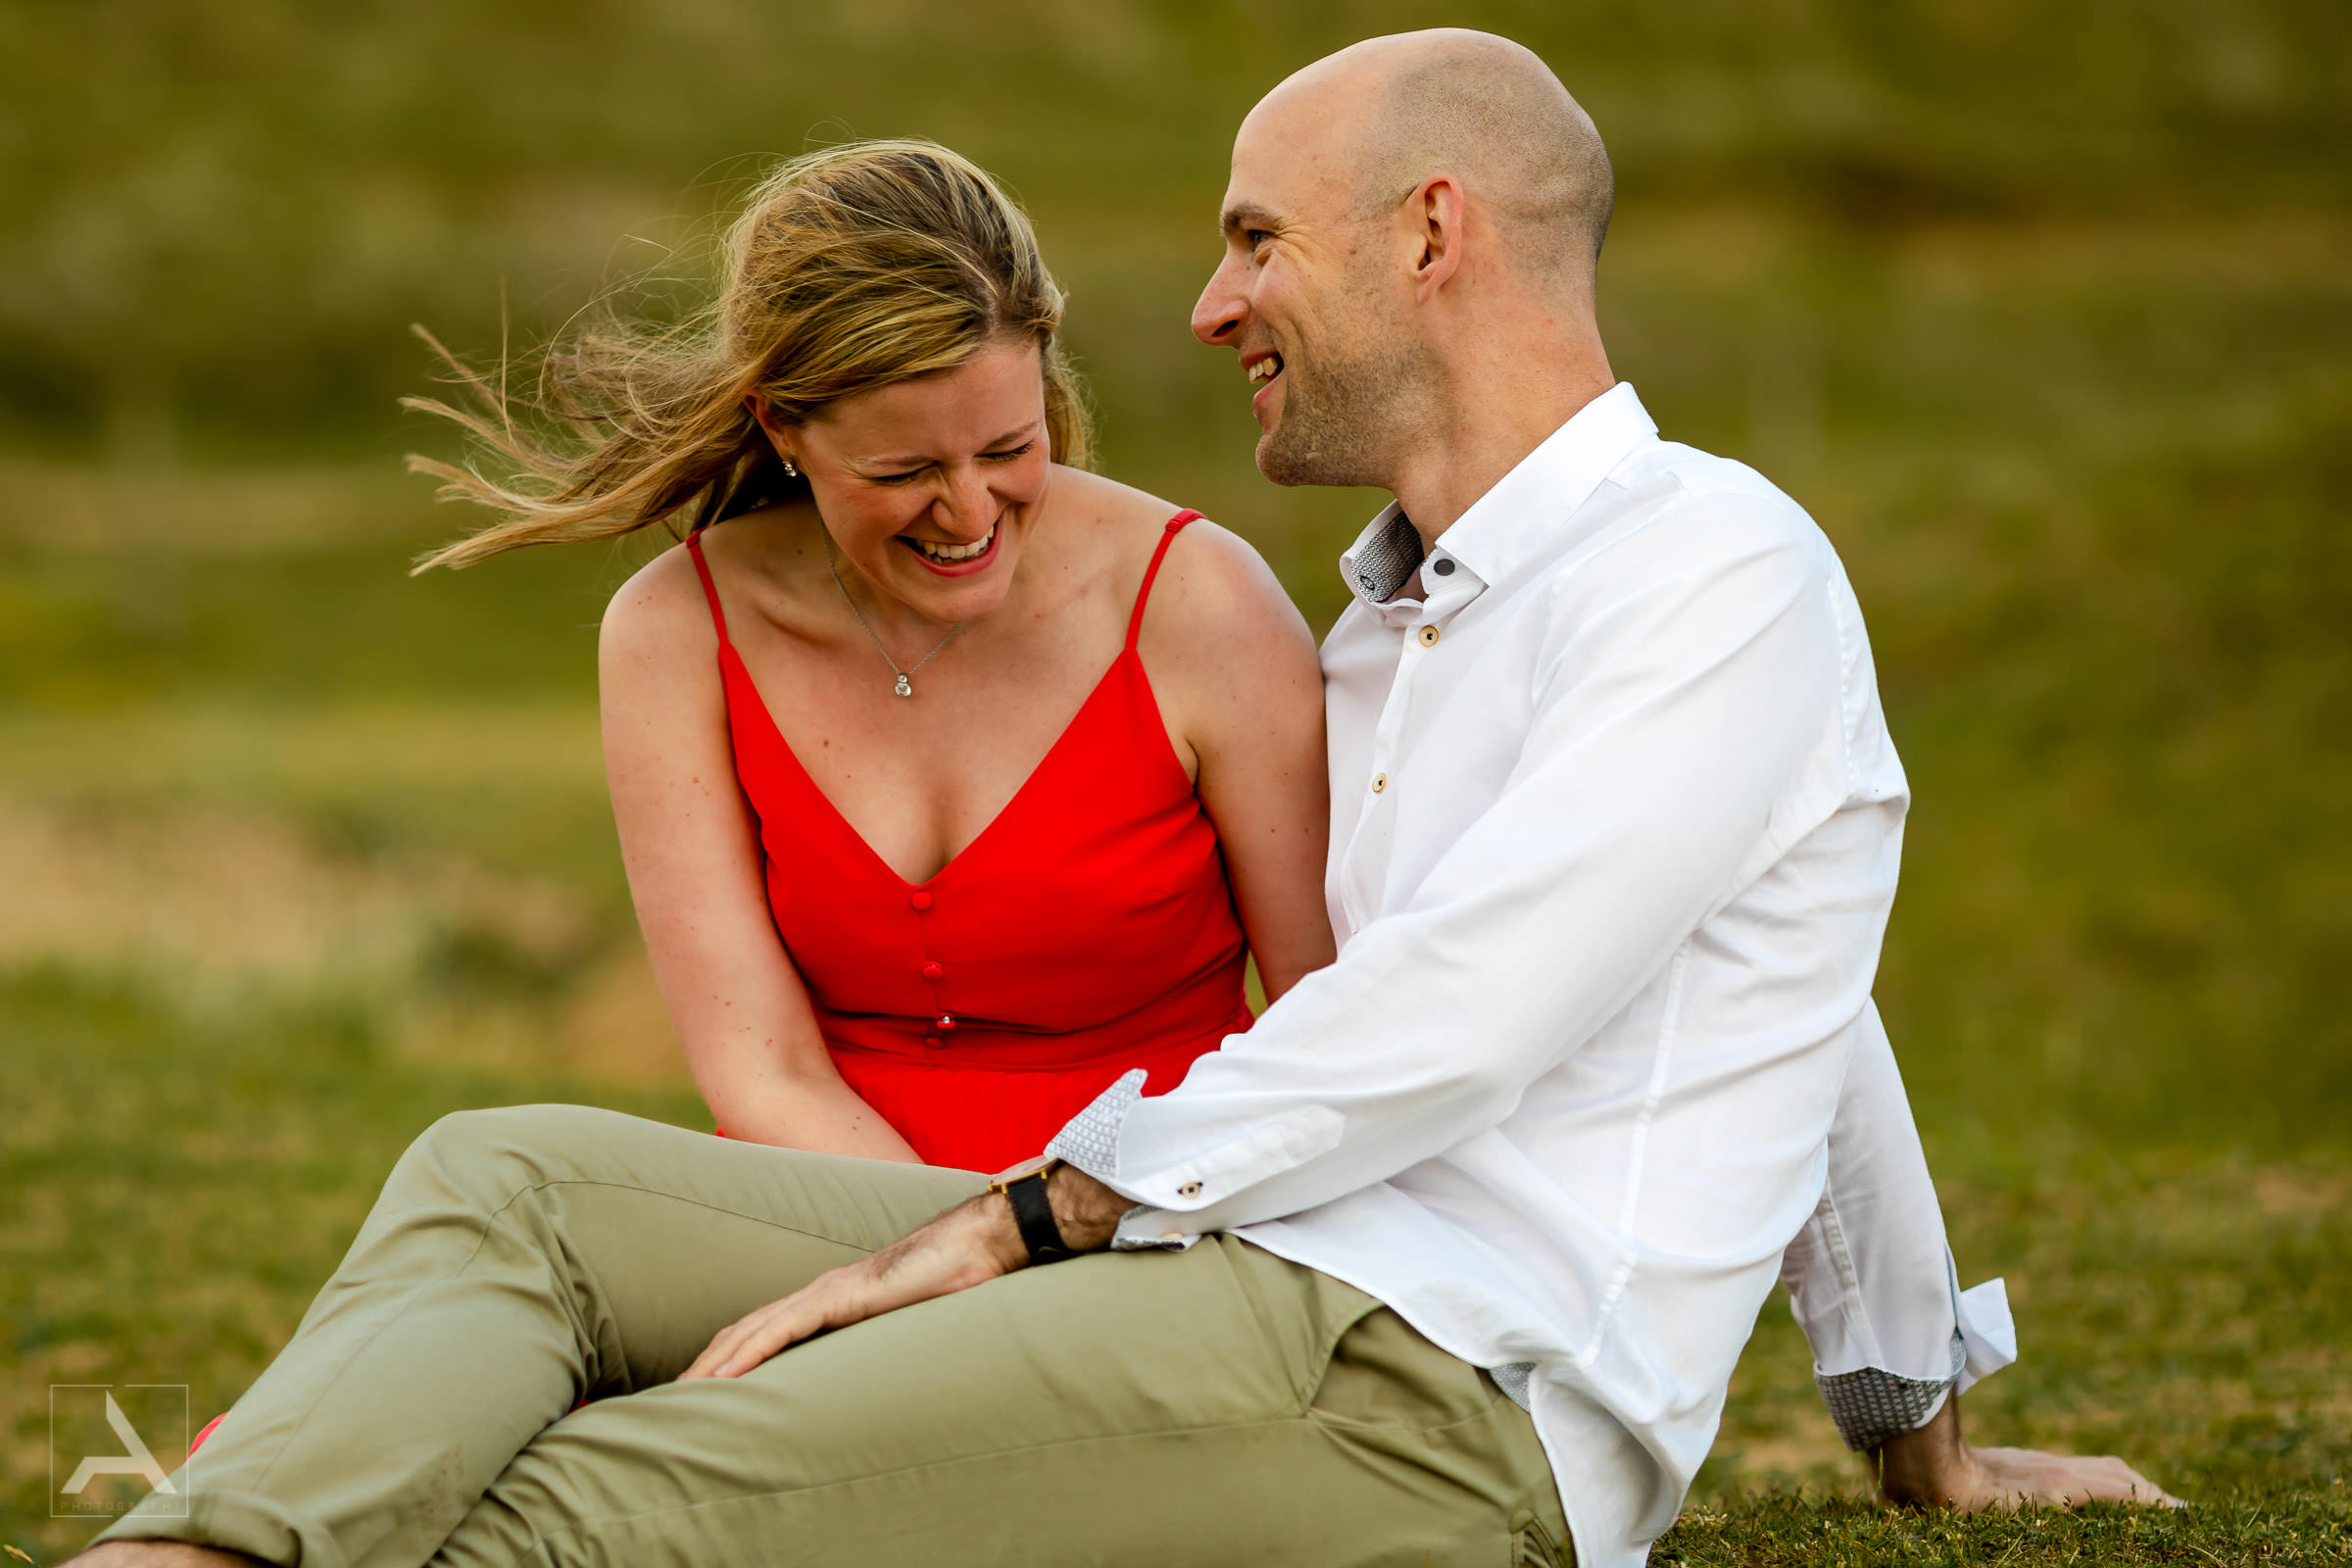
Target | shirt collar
(1507,524)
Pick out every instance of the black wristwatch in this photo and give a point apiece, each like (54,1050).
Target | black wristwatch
(1033,1212)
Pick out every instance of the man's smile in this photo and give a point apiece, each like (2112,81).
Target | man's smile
(1262,370)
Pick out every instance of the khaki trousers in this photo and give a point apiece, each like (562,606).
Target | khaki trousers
(1207,1407)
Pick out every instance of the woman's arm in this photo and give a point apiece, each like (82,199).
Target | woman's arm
(1240,684)
(692,851)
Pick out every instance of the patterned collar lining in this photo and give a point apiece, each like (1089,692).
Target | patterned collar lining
(1385,558)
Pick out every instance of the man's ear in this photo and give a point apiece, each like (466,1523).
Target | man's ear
(1435,205)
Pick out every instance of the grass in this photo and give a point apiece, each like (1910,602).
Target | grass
(2256,1526)
(2045,319)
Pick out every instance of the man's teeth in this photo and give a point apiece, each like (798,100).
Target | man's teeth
(938,550)
(1265,370)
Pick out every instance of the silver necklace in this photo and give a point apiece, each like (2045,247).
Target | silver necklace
(905,685)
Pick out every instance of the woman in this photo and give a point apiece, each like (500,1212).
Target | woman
(951,779)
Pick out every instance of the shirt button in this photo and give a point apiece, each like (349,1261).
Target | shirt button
(1443,569)
(1380,781)
(1429,636)
(1189,1190)
(932,970)
(935,1042)
(920,899)
(943,1022)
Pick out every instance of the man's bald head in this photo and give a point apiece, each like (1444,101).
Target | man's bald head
(1410,232)
(1482,108)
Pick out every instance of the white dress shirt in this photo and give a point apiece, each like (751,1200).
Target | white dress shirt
(1615,825)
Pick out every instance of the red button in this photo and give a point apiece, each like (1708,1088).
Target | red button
(932,971)
(920,900)
(935,1042)
(945,1021)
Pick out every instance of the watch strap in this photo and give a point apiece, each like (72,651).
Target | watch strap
(1033,1212)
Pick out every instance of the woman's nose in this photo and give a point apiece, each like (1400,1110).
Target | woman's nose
(967,510)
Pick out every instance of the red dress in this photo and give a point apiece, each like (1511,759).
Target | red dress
(1087,931)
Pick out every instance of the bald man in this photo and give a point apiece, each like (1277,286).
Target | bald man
(1447,1260)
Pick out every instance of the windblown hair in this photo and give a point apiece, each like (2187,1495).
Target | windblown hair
(849,269)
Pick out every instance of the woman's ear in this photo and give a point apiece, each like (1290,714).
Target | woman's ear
(768,425)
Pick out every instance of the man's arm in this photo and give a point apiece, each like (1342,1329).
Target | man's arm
(1686,708)
(1895,1341)
(1870,1276)
(972,1243)
(1665,765)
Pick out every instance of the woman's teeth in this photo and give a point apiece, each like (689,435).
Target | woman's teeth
(939,551)
(1265,370)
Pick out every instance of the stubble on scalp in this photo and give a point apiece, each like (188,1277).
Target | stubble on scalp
(1491,112)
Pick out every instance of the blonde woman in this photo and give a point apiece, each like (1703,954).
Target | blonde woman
(953,780)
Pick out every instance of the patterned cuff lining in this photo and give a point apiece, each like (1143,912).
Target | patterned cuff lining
(1090,1140)
(1511,1378)
(1871,1407)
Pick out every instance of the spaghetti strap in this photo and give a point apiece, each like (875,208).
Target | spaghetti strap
(1168,538)
(702,570)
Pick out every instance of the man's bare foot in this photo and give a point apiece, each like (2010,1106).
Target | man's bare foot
(1933,1468)
(160,1555)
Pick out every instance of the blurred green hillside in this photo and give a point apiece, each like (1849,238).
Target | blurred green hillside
(2044,313)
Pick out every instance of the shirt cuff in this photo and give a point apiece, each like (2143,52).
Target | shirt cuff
(1988,1333)
(1090,1141)
(1871,1405)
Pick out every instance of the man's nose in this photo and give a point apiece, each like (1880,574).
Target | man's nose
(1223,306)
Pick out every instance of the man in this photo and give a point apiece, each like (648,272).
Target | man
(1450,1257)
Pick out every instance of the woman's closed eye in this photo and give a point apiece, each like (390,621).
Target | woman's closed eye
(1003,454)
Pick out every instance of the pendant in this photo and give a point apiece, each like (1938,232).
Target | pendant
(905,687)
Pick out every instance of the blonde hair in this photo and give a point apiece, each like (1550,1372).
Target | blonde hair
(849,269)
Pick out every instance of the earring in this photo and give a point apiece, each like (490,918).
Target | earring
(790,472)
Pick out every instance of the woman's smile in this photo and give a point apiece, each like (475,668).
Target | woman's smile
(949,558)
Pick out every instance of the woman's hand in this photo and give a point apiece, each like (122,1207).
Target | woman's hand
(972,1243)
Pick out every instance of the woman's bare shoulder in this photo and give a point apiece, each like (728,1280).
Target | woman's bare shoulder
(1215,601)
(1217,558)
(1123,508)
(659,610)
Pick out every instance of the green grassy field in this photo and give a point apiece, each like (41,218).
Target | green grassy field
(2048,323)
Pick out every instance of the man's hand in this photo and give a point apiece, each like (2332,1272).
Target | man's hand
(969,1245)
(1933,1467)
